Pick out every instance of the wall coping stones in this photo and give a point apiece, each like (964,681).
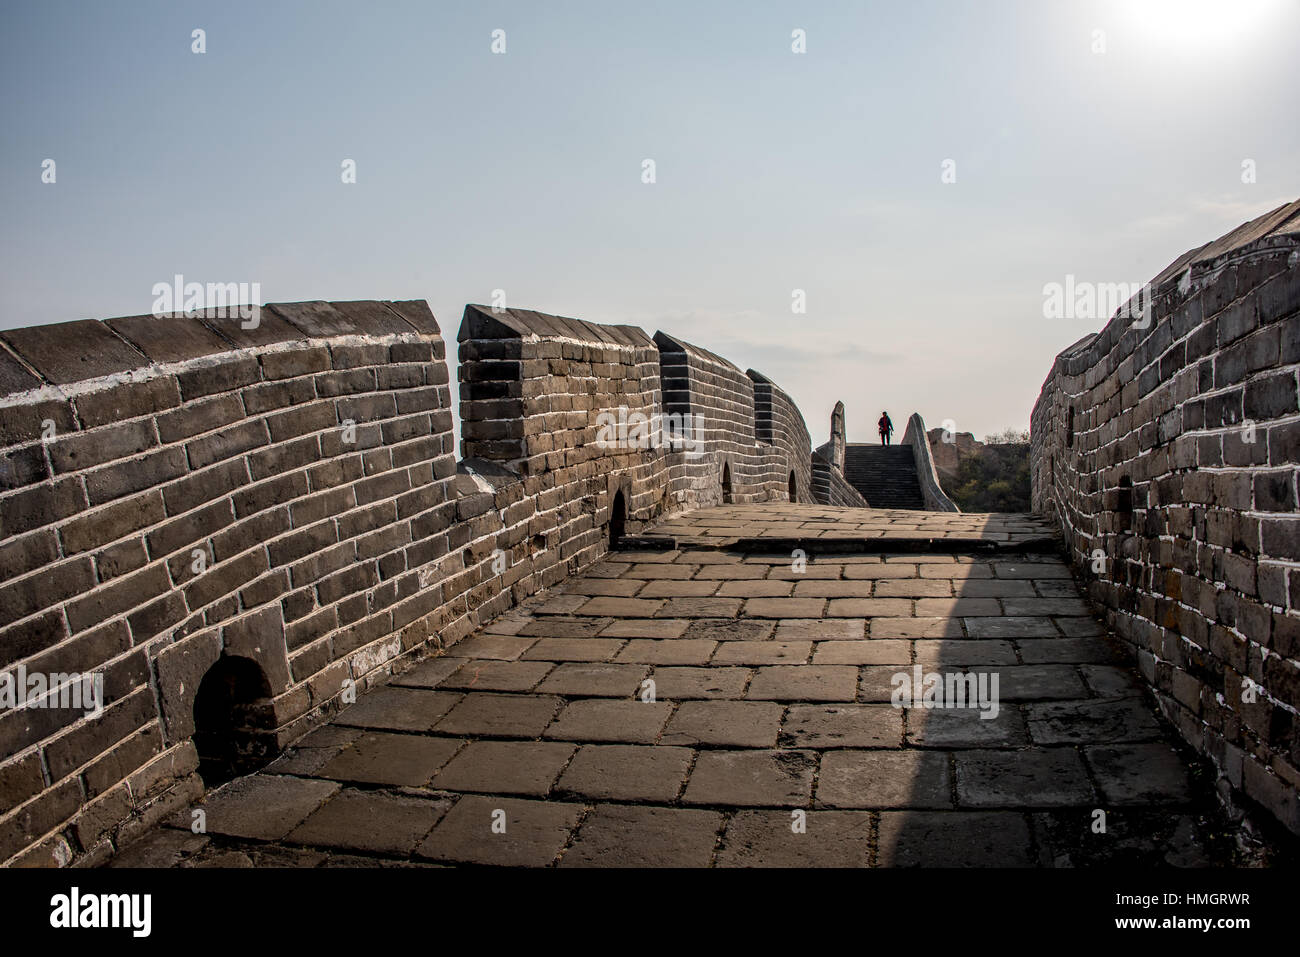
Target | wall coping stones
(15,376)
(85,355)
(66,352)
(1276,230)
(373,318)
(171,338)
(271,329)
(417,313)
(667,343)
(484,322)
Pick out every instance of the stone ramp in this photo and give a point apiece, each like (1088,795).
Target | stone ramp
(769,739)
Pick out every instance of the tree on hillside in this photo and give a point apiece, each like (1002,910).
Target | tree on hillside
(994,479)
(1008,437)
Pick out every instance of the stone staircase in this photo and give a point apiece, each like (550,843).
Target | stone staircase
(885,475)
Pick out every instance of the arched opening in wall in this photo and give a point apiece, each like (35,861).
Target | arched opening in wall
(1124,504)
(794,489)
(726,483)
(617,519)
(1069,429)
(234,720)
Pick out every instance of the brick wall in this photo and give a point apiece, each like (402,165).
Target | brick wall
(1168,455)
(721,399)
(829,486)
(936,499)
(180,493)
(178,489)
(545,380)
(779,425)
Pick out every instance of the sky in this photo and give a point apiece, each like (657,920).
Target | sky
(920,173)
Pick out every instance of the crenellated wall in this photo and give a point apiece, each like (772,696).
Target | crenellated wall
(721,402)
(778,425)
(1167,452)
(191,508)
(179,490)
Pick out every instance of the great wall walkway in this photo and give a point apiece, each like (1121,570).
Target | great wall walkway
(771,688)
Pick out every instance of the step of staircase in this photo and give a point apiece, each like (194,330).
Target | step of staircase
(885,475)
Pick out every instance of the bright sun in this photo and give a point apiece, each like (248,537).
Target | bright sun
(1198,26)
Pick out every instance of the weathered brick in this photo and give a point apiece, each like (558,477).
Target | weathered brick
(85,450)
(226,443)
(135,475)
(45,589)
(209,379)
(201,416)
(31,508)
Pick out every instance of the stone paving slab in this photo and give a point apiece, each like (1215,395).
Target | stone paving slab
(379,758)
(502,831)
(623,772)
(615,835)
(699,705)
(775,839)
(371,821)
(729,523)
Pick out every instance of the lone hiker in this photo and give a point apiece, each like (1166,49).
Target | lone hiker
(886,428)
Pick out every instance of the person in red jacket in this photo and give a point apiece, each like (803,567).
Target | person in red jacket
(886,428)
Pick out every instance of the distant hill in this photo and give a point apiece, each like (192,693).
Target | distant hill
(988,476)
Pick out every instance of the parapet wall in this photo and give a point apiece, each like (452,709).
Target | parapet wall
(735,462)
(829,485)
(1168,456)
(190,505)
(180,490)
(783,441)
(935,498)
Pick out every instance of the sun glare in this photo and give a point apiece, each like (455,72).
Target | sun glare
(1199,26)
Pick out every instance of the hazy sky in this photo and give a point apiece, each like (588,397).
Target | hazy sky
(1102,155)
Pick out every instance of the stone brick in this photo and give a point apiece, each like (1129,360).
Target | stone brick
(766,839)
(399,709)
(751,778)
(371,821)
(884,779)
(1033,778)
(626,773)
(67,352)
(842,726)
(394,759)
(615,835)
(534,833)
(728,724)
(264,807)
(953,839)
(506,767)
(599,719)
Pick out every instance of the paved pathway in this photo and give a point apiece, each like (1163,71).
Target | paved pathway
(769,738)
